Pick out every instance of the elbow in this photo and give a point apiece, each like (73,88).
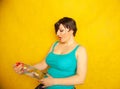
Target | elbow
(80,82)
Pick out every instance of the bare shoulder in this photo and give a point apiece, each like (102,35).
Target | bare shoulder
(52,46)
(81,49)
(81,52)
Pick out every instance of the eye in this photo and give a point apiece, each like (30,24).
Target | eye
(61,30)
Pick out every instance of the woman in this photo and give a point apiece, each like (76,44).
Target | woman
(67,60)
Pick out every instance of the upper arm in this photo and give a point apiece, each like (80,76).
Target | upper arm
(81,62)
(51,48)
(43,65)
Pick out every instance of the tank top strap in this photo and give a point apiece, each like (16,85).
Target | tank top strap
(54,45)
(75,49)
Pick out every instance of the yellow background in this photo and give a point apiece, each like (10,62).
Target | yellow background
(27,32)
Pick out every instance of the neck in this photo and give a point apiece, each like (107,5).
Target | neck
(69,42)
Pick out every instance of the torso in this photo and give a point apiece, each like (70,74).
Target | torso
(62,63)
(64,49)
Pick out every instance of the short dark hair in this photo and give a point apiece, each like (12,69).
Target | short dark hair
(67,23)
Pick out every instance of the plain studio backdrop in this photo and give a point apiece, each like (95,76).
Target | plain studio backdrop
(27,32)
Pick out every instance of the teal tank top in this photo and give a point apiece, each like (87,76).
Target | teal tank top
(61,66)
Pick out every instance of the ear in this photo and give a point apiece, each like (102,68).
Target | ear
(71,32)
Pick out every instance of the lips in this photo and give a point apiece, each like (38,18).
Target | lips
(60,38)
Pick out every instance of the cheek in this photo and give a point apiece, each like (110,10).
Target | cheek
(66,36)
(63,32)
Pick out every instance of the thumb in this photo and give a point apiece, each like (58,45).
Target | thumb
(48,75)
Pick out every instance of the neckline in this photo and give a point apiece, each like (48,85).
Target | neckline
(66,53)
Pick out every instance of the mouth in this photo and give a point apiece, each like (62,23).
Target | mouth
(60,38)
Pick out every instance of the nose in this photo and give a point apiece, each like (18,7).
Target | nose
(58,33)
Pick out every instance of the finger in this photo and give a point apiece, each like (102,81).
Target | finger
(38,80)
(44,86)
(18,63)
(17,66)
(48,75)
(19,69)
(41,80)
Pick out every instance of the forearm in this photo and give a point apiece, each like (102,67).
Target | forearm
(38,66)
(41,66)
(70,80)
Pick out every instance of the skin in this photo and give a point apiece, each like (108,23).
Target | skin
(65,45)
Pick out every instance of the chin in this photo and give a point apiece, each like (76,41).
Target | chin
(62,41)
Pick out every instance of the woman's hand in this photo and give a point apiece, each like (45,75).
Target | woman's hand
(49,81)
(18,67)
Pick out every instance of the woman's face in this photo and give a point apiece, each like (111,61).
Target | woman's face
(64,34)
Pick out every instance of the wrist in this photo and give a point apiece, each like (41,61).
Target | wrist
(55,81)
